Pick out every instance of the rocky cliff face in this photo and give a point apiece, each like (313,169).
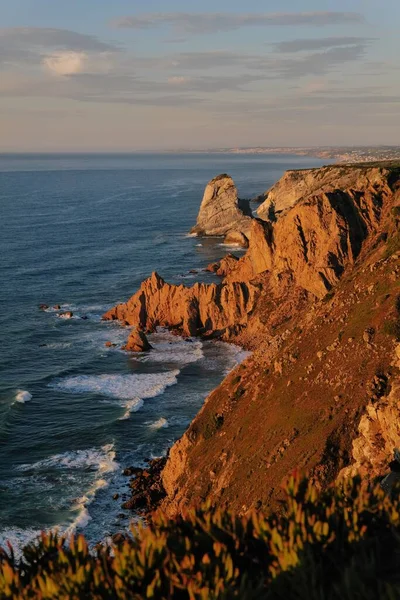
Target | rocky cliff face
(316,239)
(222,213)
(320,361)
(358,182)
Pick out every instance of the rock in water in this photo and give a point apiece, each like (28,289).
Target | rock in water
(138,342)
(223,266)
(221,211)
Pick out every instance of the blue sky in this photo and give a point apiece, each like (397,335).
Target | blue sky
(96,75)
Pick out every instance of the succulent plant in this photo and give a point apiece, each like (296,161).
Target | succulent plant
(342,543)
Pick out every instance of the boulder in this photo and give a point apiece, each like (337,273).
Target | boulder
(221,211)
(138,342)
(66,315)
(236,238)
(223,266)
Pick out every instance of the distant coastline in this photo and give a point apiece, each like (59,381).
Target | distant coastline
(343,154)
(340,154)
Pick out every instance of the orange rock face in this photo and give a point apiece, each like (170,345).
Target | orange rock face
(137,342)
(224,266)
(314,241)
(199,310)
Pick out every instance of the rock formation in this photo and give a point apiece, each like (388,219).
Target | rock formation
(223,266)
(199,310)
(322,372)
(137,342)
(356,181)
(222,213)
(314,240)
(378,436)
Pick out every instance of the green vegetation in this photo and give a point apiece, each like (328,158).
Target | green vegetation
(340,544)
(239,393)
(212,426)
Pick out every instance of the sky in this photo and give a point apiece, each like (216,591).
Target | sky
(120,76)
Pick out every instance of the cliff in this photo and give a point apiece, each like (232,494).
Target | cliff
(315,296)
(356,181)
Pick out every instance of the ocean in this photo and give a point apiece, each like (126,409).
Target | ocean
(83,231)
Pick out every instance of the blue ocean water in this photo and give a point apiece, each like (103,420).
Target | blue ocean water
(83,231)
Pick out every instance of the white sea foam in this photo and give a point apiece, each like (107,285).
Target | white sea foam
(131,406)
(58,345)
(22,396)
(161,423)
(199,245)
(18,538)
(168,348)
(81,507)
(102,460)
(236,247)
(128,390)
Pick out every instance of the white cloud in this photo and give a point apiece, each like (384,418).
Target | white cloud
(66,63)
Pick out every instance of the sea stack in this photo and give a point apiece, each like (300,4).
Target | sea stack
(138,342)
(222,213)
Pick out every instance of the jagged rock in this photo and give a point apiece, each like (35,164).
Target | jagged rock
(147,488)
(138,342)
(198,310)
(43,306)
(221,212)
(378,436)
(224,266)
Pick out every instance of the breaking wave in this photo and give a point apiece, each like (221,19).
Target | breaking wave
(128,390)
(23,396)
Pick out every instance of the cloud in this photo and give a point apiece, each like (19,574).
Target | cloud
(66,63)
(318,63)
(317,44)
(203,23)
(33,45)
(273,66)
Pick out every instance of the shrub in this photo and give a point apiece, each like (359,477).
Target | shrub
(343,543)
(213,425)
(239,393)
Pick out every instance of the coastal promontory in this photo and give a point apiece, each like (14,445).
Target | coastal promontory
(316,298)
